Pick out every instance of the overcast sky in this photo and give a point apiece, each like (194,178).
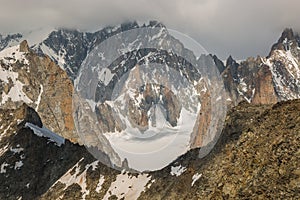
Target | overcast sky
(241,28)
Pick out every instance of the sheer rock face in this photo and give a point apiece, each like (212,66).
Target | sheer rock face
(43,85)
(203,122)
(56,103)
(106,118)
(264,88)
(153,94)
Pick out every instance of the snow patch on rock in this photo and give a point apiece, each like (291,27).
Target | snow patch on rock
(128,187)
(178,170)
(78,177)
(100,183)
(12,55)
(16,91)
(195,178)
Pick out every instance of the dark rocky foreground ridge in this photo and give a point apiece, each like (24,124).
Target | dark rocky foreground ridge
(257,156)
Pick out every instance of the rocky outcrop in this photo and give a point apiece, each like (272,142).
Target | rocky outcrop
(12,120)
(55,106)
(287,41)
(203,118)
(107,118)
(153,94)
(264,88)
(31,164)
(43,85)
(283,61)
(29,115)
(24,47)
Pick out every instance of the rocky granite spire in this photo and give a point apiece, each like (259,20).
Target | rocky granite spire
(288,40)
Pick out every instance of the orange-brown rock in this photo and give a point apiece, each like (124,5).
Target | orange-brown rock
(264,88)
(49,89)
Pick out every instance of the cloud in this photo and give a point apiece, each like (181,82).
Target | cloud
(237,27)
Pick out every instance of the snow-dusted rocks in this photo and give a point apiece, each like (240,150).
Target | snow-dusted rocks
(195,178)
(26,77)
(128,187)
(178,170)
(12,55)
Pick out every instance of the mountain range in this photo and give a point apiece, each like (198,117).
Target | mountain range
(256,152)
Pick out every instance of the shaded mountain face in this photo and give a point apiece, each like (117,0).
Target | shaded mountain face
(31,164)
(256,153)
(69,48)
(9,40)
